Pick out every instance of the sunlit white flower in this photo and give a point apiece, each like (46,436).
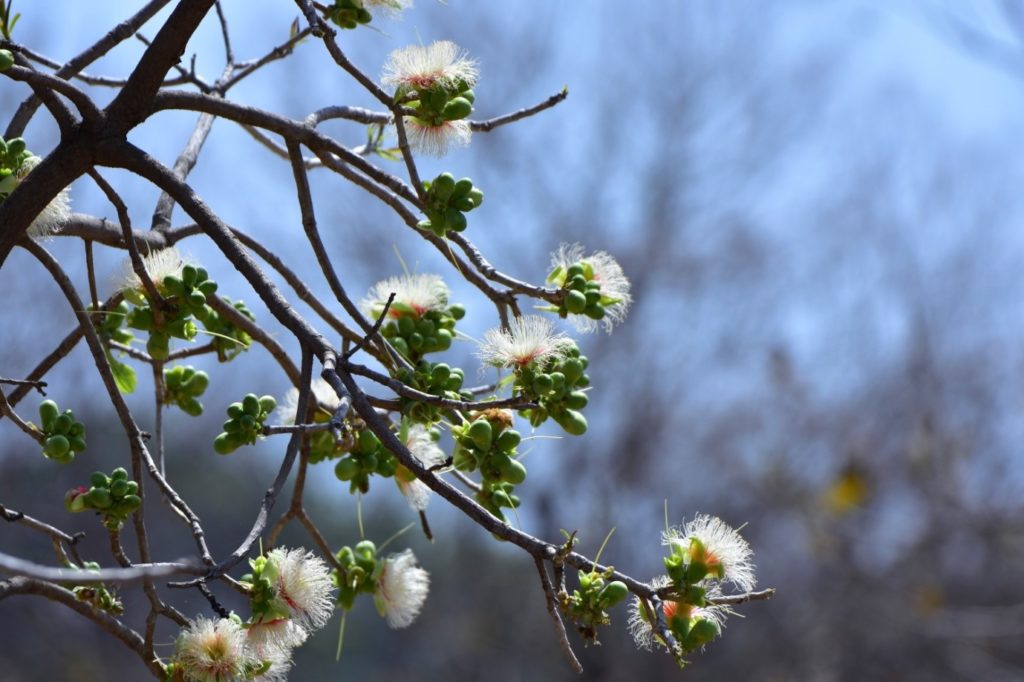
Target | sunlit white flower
(424,449)
(303,586)
(437,140)
(715,544)
(288,407)
(421,68)
(213,651)
(158,264)
(401,589)
(530,338)
(388,7)
(56,213)
(608,273)
(274,639)
(414,294)
(639,622)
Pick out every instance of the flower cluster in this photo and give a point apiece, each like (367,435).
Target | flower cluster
(437,82)
(16,162)
(399,587)
(703,555)
(596,291)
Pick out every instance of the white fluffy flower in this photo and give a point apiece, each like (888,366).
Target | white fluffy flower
(436,140)
(424,449)
(288,407)
(530,338)
(158,265)
(719,547)
(214,651)
(421,68)
(55,214)
(388,7)
(401,589)
(608,273)
(639,623)
(418,293)
(272,638)
(303,583)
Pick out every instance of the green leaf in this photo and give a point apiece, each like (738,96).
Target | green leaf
(124,375)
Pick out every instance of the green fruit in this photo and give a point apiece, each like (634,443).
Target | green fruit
(48,412)
(480,433)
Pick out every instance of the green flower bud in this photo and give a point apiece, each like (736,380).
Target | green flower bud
(56,446)
(77,443)
(267,403)
(346,469)
(457,311)
(6,60)
(74,500)
(225,443)
(119,474)
(458,108)
(62,424)
(131,502)
(118,488)
(133,488)
(406,326)
(612,593)
(576,400)
(575,302)
(513,471)
(462,188)
(235,410)
(443,185)
(251,405)
(456,221)
(99,480)
(98,498)
(572,421)
(595,311)
(48,412)
(508,440)
(480,432)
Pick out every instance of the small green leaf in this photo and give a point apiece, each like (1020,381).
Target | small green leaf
(124,375)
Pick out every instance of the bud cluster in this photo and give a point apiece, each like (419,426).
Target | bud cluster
(414,334)
(245,423)
(582,293)
(63,435)
(115,497)
(489,443)
(183,386)
(13,155)
(447,202)
(438,379)
(348,13)
(367,457)
(588,605)
(554,383)
(186,296)
(109,325)
(96,594)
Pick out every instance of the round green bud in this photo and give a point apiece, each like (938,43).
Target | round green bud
(99,480)
(462,187)
(439,375)
(196,298)
(457,311)
(575,302)
(251,405)
(469,95)
(191,406)
(118,488)
(444,339)
(612,593)
(48,412)
(456,221)
(133,488)
(189,275)
(367,441)
(576,400)
(235,410)
(157,346)
(225,443)
(63,423)
(119,474)
(513,471)
(443,185)
(267,403)
(416,341)
(346,469)
(595,311)
(572,421)
(131,502)
(406,326)
(425,225)
(703,631)
(77,443)
(456,109)
(480,433)
(542,383)
(509,440)
(476,196)
(98,498)
(56,446)
(6,60)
